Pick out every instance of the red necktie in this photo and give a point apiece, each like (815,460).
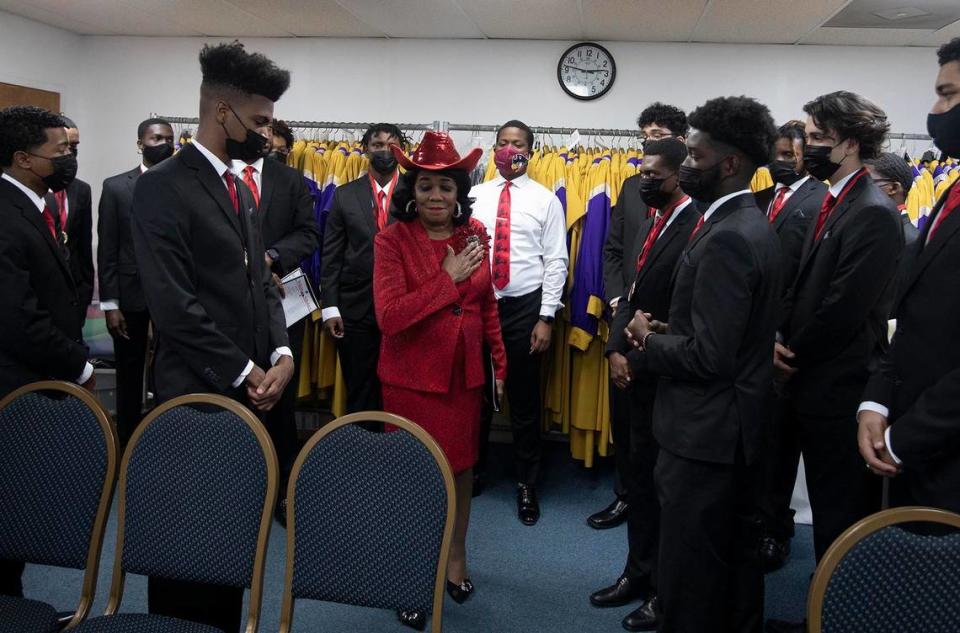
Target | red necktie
(381,209)
(697,227)
(778,203)
(501,244)
(949,206)
(655,232)
(61,197)
(48,218)
(825,209)
(250,182)
(232,190)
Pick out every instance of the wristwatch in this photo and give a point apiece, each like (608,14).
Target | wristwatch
(273,254)
(546,319)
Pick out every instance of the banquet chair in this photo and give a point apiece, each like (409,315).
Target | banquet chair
(198,484)
(883,576)
(370,519)
(58,463)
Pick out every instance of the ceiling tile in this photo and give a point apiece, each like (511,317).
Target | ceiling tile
(414,18)
(215,18)
(539,20)
(946,34)
(309,18)
(869,37)
(770,21)
(641,20)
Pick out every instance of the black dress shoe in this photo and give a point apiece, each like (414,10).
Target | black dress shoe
(622,592)
(782,626)
(528,508)
(479,484)
(280,512)
(611,516)
(646,618)
(773,553)
(416,620)
(460,592)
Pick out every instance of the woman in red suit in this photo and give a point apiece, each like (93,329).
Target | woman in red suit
(435,307)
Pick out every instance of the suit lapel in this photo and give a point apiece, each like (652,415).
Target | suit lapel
(795,201)
(945,232)
(33,216)
(365,207)
(673,232)
(810,245)
(267,176)
(718,215)
(213,183)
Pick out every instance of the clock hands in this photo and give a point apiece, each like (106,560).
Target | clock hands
(585,70)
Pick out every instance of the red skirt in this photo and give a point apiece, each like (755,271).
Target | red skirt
(452,418)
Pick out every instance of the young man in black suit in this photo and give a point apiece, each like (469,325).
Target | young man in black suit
(895,178)
(40,326)
(658,244)
(290,234)
(713,363)
(220,326)
(121,294)
(909,420)
(835,314)
(625,237)
(76,206)
(791,205)
(359,211)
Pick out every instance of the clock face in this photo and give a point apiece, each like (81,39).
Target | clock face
(586,71)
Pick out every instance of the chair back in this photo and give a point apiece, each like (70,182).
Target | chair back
(198,484)
(884,577)
(58,463)
(370,518)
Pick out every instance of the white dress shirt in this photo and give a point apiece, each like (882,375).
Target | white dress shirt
(41,205)
(538,238)
(239,167)
(333,312)
(221,168)
(838,186)
(720,202)
(791,189)
(114,304)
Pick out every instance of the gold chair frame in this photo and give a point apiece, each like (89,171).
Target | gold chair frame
(850,538)
(273,478)
(89,587)
(286,613)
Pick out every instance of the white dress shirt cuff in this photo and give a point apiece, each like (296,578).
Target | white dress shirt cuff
(85,376)
(886,440)
(333,312)
(550,310)
(613,302)
(109,304)
(876,407)
(277,353)
(243,375)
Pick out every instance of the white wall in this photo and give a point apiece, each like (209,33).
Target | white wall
(111,83)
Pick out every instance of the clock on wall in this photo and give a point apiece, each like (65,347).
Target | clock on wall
(586,71)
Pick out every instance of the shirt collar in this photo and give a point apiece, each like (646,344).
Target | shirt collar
(517,182)
(239,166)
(218,165)
(30,193)
(720,202)
(795,186)
(837,187)
(143,168)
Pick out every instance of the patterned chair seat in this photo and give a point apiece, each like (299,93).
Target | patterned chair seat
(141,623)
(19,615)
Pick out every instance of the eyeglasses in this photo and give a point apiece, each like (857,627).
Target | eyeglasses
(656,136)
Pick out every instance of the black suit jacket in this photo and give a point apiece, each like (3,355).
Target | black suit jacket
(628,218)
(918,379)
(835,315)
(793,221)
(116,264)
(80,241)
(286,216)
(346,272)
(652,287)
(207,286)
(40,323)
(715,363)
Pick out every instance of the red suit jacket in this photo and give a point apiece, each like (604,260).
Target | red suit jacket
(421,313)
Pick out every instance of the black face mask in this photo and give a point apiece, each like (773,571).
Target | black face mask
(944,128)
(277,156)
(154,154)
(783,172)
(64,172)
(816,158)
(652,193)
(383,161)
(251,148)
(700,184)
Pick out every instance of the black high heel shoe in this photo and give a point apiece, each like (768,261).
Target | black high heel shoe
(460,592)
(416,620)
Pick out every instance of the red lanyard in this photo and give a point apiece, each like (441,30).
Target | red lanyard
(847,187)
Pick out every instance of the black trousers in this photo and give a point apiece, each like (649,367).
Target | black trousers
(359,351)
(842,491)
(213,605)
(131,356)
(518,317)
(781,458)
(643,513)
(282,419)
(709,578)
(620,429)
(11,573)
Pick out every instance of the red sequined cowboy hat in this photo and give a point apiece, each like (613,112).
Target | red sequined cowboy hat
(437,152)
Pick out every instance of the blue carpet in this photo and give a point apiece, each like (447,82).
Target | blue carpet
(527,578)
